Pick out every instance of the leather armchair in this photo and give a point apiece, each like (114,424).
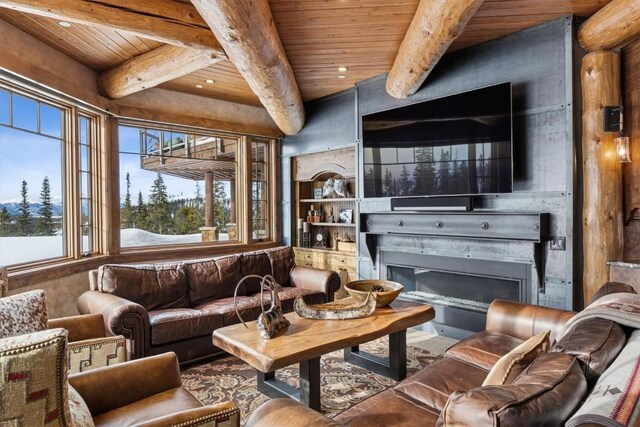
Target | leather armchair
(142,392)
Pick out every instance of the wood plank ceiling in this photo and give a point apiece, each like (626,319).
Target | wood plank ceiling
(318,37)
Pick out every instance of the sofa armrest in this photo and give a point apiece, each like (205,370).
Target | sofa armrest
(121,317)
(83,327)
(224,413)
(95,353)
(286,412)
(112,387)
(525,320)
(315,279)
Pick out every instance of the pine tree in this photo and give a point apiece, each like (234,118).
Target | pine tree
(444,173)
(424,174)
(369,182)
(160,220)
(405,183)
(127,215)
(188,221)
(389,185)
(24,217)
(45,225)
(5,222)
(220,217)
(141,213)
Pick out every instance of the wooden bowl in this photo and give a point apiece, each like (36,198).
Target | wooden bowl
(360,288)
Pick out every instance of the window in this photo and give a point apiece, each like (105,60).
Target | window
(176,187)
(260,189)
(46,171)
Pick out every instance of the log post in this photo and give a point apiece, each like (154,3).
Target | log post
(436,24)
(602,178)
(612,27)
(208,199)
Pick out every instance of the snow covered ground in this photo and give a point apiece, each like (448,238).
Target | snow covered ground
(14,250)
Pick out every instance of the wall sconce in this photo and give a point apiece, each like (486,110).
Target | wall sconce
(613,121)
(622,148)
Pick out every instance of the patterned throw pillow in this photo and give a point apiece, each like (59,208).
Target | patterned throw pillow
(24,313)
(80,414)
(509,366)
(33,385)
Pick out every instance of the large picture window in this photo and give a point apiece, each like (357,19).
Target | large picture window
(176,187)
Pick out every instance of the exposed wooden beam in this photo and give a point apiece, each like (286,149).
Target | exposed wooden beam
(248,35)
(436,24)
(153,68)
(602,179)
(166,21)
(612,27)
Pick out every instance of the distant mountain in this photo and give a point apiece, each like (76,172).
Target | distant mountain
(34,208)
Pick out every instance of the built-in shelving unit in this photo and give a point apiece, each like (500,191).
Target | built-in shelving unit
(311,172)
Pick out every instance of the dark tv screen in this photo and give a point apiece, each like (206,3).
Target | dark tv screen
(457,145)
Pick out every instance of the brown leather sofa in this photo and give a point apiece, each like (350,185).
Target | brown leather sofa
(177,306)
(450,392)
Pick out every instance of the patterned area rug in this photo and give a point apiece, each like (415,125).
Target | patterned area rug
(343,384)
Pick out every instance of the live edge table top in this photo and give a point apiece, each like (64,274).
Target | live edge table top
(305,339)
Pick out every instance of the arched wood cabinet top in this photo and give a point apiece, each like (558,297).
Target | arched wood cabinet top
(311,166)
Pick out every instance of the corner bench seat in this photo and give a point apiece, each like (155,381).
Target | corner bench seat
(176,306)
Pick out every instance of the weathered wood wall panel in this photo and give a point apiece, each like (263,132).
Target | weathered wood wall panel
(631,171)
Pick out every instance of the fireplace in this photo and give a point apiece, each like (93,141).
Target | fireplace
(459,289)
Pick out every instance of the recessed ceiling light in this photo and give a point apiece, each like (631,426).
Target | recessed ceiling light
(208,81)
(342,69)
(342,76)
(64,24)
(199,86)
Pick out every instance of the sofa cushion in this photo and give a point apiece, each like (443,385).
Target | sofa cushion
(386,409)
(509,366)
(545,394)
(164,403)
(615,398)
(213,278)
(23,313)
(431,387)
(484,348)
(176,324)
(595,342)
(256,262)
(282,262)
(33,384)
(152,286)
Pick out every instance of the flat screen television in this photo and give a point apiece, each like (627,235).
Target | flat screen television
(456,145)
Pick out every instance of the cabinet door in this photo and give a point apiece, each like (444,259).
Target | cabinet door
(304,258)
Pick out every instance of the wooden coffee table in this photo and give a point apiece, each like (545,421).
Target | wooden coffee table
(305,340)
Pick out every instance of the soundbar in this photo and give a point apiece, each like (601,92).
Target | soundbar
(453,203)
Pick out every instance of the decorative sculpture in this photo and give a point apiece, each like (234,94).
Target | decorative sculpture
(271,321)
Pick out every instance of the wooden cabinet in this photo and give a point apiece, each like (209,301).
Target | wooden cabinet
(311,173)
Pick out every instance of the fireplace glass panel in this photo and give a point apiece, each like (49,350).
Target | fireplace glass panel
(452,289)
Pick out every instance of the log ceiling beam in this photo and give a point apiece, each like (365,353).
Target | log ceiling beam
(614,26)
(150,69)
(435,25)
(247,33)
(165,21)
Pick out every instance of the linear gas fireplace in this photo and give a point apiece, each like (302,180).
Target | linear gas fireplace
(459,289)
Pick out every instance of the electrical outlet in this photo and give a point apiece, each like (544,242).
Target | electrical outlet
(558,243)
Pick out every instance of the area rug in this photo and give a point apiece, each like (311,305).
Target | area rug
(343,384)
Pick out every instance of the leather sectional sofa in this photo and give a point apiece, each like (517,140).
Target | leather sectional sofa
(450,392)
(177,306)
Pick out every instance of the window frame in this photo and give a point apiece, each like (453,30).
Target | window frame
(70,173)
(244,227)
